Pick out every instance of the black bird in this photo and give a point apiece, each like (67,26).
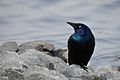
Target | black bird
(80,45)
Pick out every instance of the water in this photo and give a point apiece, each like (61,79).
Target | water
(27,20)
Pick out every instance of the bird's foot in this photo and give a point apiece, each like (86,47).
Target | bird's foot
(85,68)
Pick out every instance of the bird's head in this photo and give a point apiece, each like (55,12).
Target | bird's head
(80,28)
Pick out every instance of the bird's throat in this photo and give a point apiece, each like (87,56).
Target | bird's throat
(76,37)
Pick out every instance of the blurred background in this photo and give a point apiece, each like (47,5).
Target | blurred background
(28,20)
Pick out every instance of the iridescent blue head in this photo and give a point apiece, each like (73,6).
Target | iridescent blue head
(82,32)
(80,28)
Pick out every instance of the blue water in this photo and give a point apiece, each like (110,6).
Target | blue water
(28,20)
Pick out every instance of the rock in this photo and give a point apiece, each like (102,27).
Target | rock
(107,73)
(68,72)
(61,53)
(118,68)
(10,66)
(14,75)
(11,74)
(38,45)
(43,73)
(79,73)
(39,58)
(34,57)
(32,73)
(39,76)
(3,78)
(9,46)
(9,60)
(40,61)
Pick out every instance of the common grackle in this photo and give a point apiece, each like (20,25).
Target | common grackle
(80,45)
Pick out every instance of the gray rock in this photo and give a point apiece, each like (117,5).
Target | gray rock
(3,78)
(39,76)
(14,75)
(37,66)
(32,73)
(9,46)
(34,57)
(39,58)
(35,63)
(38,45)
(43,73)
(9,60)
(68,72)
(10,66)
(11,74)
(107,73)
(61,53)
(116,75)
(79,73)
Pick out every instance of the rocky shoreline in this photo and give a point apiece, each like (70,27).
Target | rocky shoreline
(39,60)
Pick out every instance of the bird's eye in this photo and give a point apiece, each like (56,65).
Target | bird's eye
(79,27)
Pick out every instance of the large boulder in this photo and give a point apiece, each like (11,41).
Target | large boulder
(38,45)
(35,57)
(9,46)
(31,65)
(43,73)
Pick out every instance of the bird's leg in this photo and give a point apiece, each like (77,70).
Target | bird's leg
(84,67)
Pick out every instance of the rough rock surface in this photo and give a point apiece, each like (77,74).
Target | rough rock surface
(9,46)
(38,45)
(61,53)
(35,64)
(9,59)
(34,57)
(43,73)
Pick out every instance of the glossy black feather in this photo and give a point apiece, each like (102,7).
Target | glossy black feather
(80,45)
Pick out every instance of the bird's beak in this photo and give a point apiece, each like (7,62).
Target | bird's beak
(72,24)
